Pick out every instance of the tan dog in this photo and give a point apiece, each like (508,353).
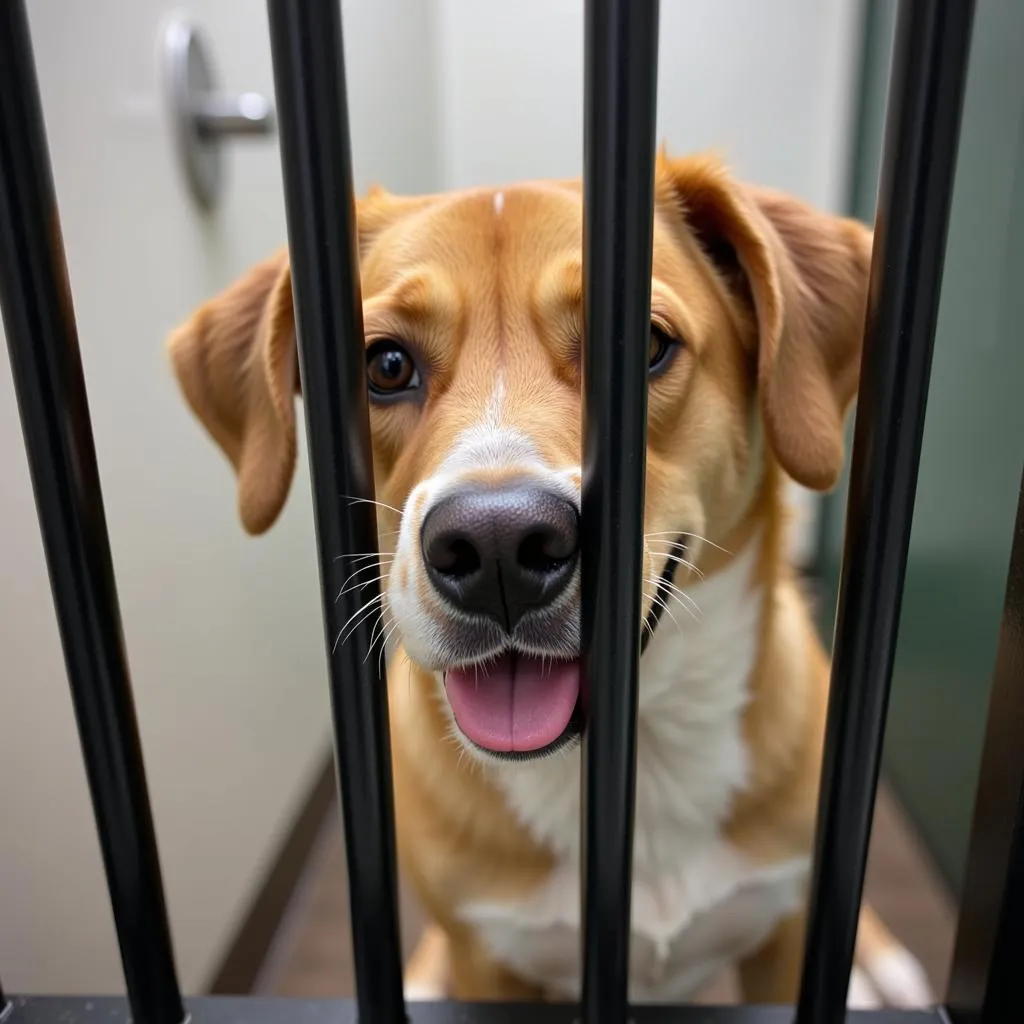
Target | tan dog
(473,326)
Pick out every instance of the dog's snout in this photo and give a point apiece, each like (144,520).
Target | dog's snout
(499,552)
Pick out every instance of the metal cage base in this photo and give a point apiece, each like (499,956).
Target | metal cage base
(249,1010)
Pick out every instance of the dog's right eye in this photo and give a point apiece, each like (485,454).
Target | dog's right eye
(662,347)
(390,369)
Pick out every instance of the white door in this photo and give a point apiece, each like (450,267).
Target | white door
(223,632)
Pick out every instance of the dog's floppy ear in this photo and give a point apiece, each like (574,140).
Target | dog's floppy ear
(235,360)
(805,274)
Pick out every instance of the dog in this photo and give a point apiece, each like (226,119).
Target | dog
(473,327)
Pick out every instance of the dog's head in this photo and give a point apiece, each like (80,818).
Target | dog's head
(472,309)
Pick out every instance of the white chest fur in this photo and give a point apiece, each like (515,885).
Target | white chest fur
(698,902)
(717,907)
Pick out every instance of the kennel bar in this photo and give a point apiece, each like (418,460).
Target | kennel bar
(928,79)
(42,341)
(309,78)
(620,92)
(985,980)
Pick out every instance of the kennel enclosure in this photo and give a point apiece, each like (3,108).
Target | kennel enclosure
(928,77)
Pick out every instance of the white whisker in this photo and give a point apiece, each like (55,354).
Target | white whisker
(661,603)
(369,604)
(355,625)
(358,572)
(694,536)
(365,555)
(363,584)
(384,648)
(370,501)
(681,596)
(382,624)
(378,624)
(680,559)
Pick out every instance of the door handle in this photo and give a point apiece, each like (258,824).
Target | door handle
(204,118)
(218,115)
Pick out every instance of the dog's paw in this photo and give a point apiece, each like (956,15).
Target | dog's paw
(861,994)
(900,979)
(427,972)
(891,978)
(417,992)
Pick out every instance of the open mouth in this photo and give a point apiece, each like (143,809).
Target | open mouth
(518,706)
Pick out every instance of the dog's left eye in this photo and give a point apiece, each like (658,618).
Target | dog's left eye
(390,370)
(662,348)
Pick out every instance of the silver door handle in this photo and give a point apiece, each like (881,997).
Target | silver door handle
(220,115)
(203,117)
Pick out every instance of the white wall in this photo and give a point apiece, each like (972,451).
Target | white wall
(768,85)
(224,633)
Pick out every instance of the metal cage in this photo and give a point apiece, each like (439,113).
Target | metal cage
(927,86)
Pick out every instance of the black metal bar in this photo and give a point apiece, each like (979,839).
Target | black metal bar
(309,75)
(621,61)
(986,983)
(249,1010)
(929,71)
(43,344)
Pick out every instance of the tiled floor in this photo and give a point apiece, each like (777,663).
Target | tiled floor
(313,953)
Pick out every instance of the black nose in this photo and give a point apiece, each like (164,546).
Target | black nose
(501,552)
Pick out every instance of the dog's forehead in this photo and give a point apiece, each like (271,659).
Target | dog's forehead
(468,231)
(524,232)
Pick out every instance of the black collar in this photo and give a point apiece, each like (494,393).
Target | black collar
(662,593)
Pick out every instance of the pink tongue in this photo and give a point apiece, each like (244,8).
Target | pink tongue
(514,703)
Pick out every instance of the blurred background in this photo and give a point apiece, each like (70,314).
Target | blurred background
(224,633)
